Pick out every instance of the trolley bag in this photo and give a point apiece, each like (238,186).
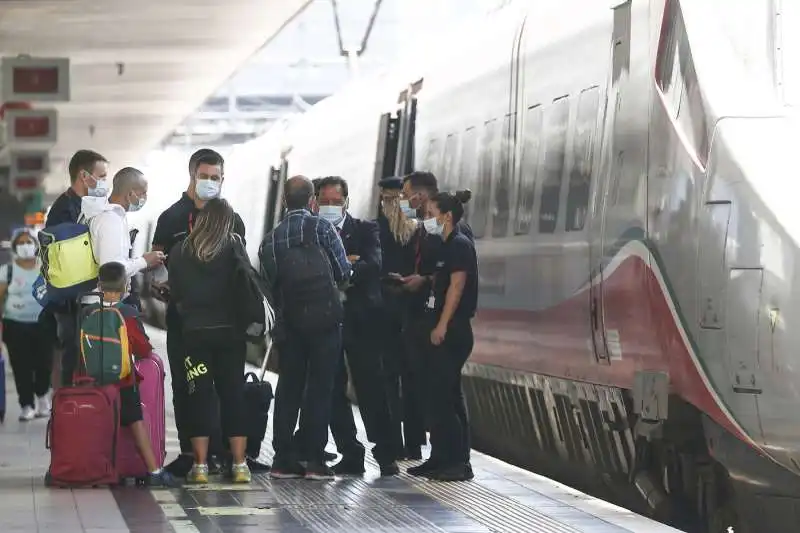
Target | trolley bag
(82,435)
(151,392)
(83,430)
(258,396)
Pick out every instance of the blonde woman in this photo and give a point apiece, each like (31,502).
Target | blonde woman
(203,287)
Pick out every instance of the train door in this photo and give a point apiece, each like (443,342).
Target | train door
(605,214)
(388,144)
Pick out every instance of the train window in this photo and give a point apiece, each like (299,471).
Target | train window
(502,192)
(449,177)
(530,164)
(677,79)
(468,165)
(432,157)
(580,178)
(556,118)
(483,192)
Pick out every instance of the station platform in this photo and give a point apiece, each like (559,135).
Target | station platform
(501,498)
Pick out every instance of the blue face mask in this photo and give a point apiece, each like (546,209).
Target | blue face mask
(207,189)
(408,211)
(433,227)
(332,213)
(137,205)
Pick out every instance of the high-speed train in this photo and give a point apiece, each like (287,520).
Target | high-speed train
(631,166)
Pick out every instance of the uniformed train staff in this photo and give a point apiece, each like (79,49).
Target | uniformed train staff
(450,304)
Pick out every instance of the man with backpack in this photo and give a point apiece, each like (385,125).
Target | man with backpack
(302,260)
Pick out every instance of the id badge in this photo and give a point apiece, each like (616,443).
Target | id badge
(431,303)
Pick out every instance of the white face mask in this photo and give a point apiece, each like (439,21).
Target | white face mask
(26,251)
(100,190)
(137,205)
(207,189)
(408,211)
(432,226)
(332,213)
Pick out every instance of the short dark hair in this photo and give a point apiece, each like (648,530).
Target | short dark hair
(452,203)
(111,277)
(330,181)
(84,160)
(205,156)
(299,191)
(423,180)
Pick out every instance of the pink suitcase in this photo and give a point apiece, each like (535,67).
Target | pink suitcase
(151,391)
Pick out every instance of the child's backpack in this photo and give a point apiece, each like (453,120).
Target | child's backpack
(68,264)
(105,352)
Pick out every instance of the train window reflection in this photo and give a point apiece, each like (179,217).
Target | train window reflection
(556,119)
(580,178)
(530,164)
(449,178)
(468,165)
(502,192)
(489,145)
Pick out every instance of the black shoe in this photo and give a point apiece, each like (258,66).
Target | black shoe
(255,466)
(180,466)
(328,456)
(389,469)
(424,469)
(414,453)
(347,467)
(319,472)
(286,470)
(461,472)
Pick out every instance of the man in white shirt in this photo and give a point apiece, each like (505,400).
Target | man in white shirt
(108,224)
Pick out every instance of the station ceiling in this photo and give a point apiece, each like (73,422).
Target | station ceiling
(137,68)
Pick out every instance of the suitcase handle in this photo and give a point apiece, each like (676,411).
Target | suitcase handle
(47,434)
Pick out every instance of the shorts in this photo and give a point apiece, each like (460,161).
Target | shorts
(130,406)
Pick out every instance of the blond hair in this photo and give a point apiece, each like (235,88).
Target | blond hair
(212,231)
(401,227)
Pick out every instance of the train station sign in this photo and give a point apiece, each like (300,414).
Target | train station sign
(35,79)
(27,161)
(34,128)
(25,183)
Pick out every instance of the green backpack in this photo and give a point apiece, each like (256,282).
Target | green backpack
(104,344)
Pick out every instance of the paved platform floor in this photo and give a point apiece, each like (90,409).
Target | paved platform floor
(502,499)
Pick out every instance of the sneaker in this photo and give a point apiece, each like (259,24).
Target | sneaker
(329,456)
(319,472)
(413,453)
(347,467)
(162,479)
(28,413)
(389,469)
(180,466)
(198,475)
(241,473)
(286,470)
(424,469)
(460,472)
(43,406)
(255,466)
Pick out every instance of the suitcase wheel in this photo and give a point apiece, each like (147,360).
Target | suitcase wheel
(140,481)
(48,480)
(2,417)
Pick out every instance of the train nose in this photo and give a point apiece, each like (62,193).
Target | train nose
(754,173)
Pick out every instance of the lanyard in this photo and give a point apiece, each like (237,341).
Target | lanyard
(418,254)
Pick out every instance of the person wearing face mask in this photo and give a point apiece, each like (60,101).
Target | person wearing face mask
(108,224)
(88,173)
(400,235)
(361,340)
(30,349)
(206,176)
(450,304)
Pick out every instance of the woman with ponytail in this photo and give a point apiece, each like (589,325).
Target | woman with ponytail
(450,305)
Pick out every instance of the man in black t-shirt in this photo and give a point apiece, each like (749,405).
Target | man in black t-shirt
(206,177)
(87,175)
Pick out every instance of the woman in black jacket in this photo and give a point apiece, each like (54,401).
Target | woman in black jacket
(205,286)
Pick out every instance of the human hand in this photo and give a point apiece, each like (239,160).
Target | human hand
(353,258)
(413,282)
(154,259)
(438,334)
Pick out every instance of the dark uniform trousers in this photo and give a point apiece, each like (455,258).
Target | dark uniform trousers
(362,348)
(449,424)
(416,413)
(402,377)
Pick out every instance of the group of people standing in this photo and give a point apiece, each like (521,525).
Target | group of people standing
(390,299)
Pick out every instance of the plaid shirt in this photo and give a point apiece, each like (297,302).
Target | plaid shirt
(290,233)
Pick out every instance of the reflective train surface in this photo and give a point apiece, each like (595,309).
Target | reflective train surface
(632,167)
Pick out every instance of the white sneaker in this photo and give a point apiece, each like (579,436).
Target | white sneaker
(43,406)
(28,413)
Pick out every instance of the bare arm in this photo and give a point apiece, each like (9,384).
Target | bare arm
(457,282)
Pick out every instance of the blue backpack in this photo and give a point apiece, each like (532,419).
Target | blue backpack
(69,268)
